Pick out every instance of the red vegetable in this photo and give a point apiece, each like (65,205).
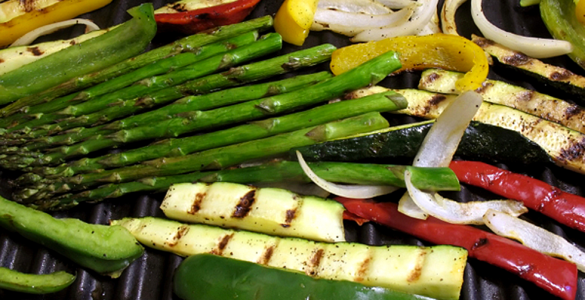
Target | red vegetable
(197,20)
(566,208)
(556,276)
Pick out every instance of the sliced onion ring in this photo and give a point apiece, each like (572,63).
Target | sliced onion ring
(355,6)
(448,16)
(534,237)
(533,47)
(440,143)
(421,17)
(459,213)
(348,191)
(30,37)
(350,24)
(396,4)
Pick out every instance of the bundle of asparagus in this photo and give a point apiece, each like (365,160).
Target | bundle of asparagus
(184,96)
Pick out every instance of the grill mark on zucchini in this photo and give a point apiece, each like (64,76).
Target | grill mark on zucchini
(315,262)
(245,205)
(290,215)
(222,244)
(529,101)
(181,232)
(363,269)
(196,203)
(415,274)
(266,255)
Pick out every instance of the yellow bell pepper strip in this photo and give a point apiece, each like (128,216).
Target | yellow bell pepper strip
(40,16)
(293,20)
(420,52)
(580,11)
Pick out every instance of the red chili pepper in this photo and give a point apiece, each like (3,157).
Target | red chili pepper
(197,20)
(566,208)
(556,276)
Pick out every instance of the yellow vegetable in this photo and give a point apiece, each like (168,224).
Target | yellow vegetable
(32,17)
(293,20)
(421,52)
(580,11)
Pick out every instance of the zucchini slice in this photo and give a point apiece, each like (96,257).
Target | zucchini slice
(499,92)
(565,146)
(560,78)
(266,210)
(435,271)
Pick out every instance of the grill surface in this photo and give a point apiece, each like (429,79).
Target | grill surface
(150,277)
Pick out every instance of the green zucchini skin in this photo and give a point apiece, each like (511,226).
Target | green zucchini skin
(480,142)
(34,283)
(211,277)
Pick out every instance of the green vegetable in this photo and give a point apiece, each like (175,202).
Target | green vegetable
(214,158)
(156,68)
(480,142)
(499,92)
(431,271)
(104,249)
(233,77)
(122,42)
(34,283)
(234,135)
(136,93)
(439,179)
(264,210)
(561,21)
(187,44)
(210,277)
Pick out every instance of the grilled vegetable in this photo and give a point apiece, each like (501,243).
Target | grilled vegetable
(210,277)
(480,142)
(561,21)
(190,43)
(283,171)
(451,52)
(34,283)
(213,158)
(537,195)
(499,92)
(120,43)
(556,276)
(432,271)
(561,78)
(565,146)
(104,249)
(15,57)
(266,210)
(136,92)
(190,20)
(294,19)
(20,17)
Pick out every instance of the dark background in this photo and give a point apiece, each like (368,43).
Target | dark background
(150,277)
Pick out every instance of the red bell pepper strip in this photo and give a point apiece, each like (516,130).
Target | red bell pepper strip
(566,208)
(198,20)
(556,276)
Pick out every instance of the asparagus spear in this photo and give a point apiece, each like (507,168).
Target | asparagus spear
(215,158)
(156,68)
(186,44)
(268,44)
(436,179)
(368,73)
(256,130)
(235,76)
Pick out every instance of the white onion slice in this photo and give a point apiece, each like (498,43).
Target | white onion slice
(355,6)
(534,237)
(459,213)
(432,27)
(448,16)
(28,38)
(349,191)
(440,143)
(533,47)
(396,4)
(351,24)
(420,18)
